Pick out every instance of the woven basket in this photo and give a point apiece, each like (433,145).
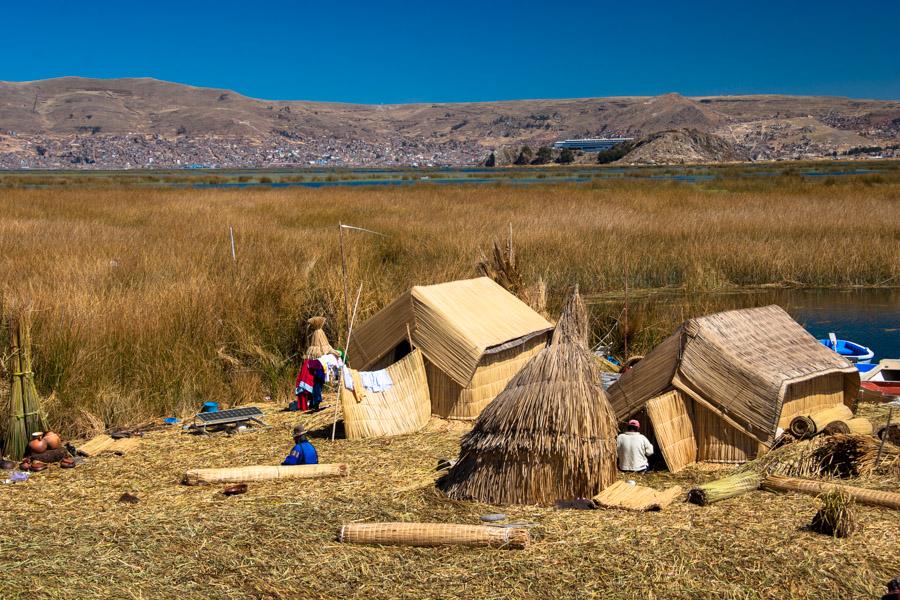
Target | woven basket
(263,473)
(434,534)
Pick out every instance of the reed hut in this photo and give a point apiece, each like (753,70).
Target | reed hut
(405,407)
(473,334)
(550,435)
(722,385)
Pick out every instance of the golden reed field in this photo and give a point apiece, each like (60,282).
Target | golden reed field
(139,309)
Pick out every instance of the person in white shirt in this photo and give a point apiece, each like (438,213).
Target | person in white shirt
(633,449)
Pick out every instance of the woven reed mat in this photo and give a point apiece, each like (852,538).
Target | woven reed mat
(623,495)
(124,445)
(96,445)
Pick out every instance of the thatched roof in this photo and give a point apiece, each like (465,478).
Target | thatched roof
(454,324)
(549,435)
(318,341)
(739,363)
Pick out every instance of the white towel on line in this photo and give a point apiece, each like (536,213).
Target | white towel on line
(374,381)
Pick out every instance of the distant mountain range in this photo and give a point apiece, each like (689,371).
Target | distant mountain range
(74,122)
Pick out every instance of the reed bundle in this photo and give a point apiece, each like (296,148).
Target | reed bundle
(777,483)
(836,455)
(25,415)
(263,473)
(722,489)
(859,425)
(626,496)
(549,435)
(806,426)
(318,344)
(835,517)
(847,455)
(434,534)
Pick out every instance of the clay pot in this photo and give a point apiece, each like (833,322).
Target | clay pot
(37,444)
(53,440)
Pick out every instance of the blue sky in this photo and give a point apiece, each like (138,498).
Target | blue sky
(386,52)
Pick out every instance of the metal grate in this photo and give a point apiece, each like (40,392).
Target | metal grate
(234,415)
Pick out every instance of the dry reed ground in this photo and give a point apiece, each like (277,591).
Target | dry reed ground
(65,535)
(140,310)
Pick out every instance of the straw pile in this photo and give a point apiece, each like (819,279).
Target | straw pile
(838,455)
(859,425)
(776,483)
(722,489)
(623,495)
(835,517)
(806,426)
(263,473)
(318,342)
(434,534)
(25,416)
(550,435)
(890,433)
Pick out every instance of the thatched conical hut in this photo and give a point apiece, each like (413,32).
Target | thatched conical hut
(550,434)
(318,342)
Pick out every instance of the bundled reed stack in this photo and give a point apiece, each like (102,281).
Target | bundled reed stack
(434,534)
(776,483)
(318,344)
(25,416)
(550,435)
(263,473)
(722,489)
(847,455)
(806,426)
(837,455)
(836,516)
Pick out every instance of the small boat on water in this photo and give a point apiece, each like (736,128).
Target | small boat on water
(855,353)
(882,380)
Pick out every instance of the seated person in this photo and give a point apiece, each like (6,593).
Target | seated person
(633,448)
(303,452)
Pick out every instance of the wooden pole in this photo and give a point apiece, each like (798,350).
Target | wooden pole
(231,234)
(346,359)
(344,276)
(887,428)
(625,316)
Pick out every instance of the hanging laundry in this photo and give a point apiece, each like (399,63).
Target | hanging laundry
(331,364)
(373,381)
(308,387)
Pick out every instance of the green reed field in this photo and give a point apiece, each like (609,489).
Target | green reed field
(139,309)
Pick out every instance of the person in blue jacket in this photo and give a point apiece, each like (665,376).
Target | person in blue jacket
(303,452)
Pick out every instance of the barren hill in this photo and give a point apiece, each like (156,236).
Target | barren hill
(71,121)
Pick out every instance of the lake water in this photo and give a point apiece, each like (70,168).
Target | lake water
(870,317)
